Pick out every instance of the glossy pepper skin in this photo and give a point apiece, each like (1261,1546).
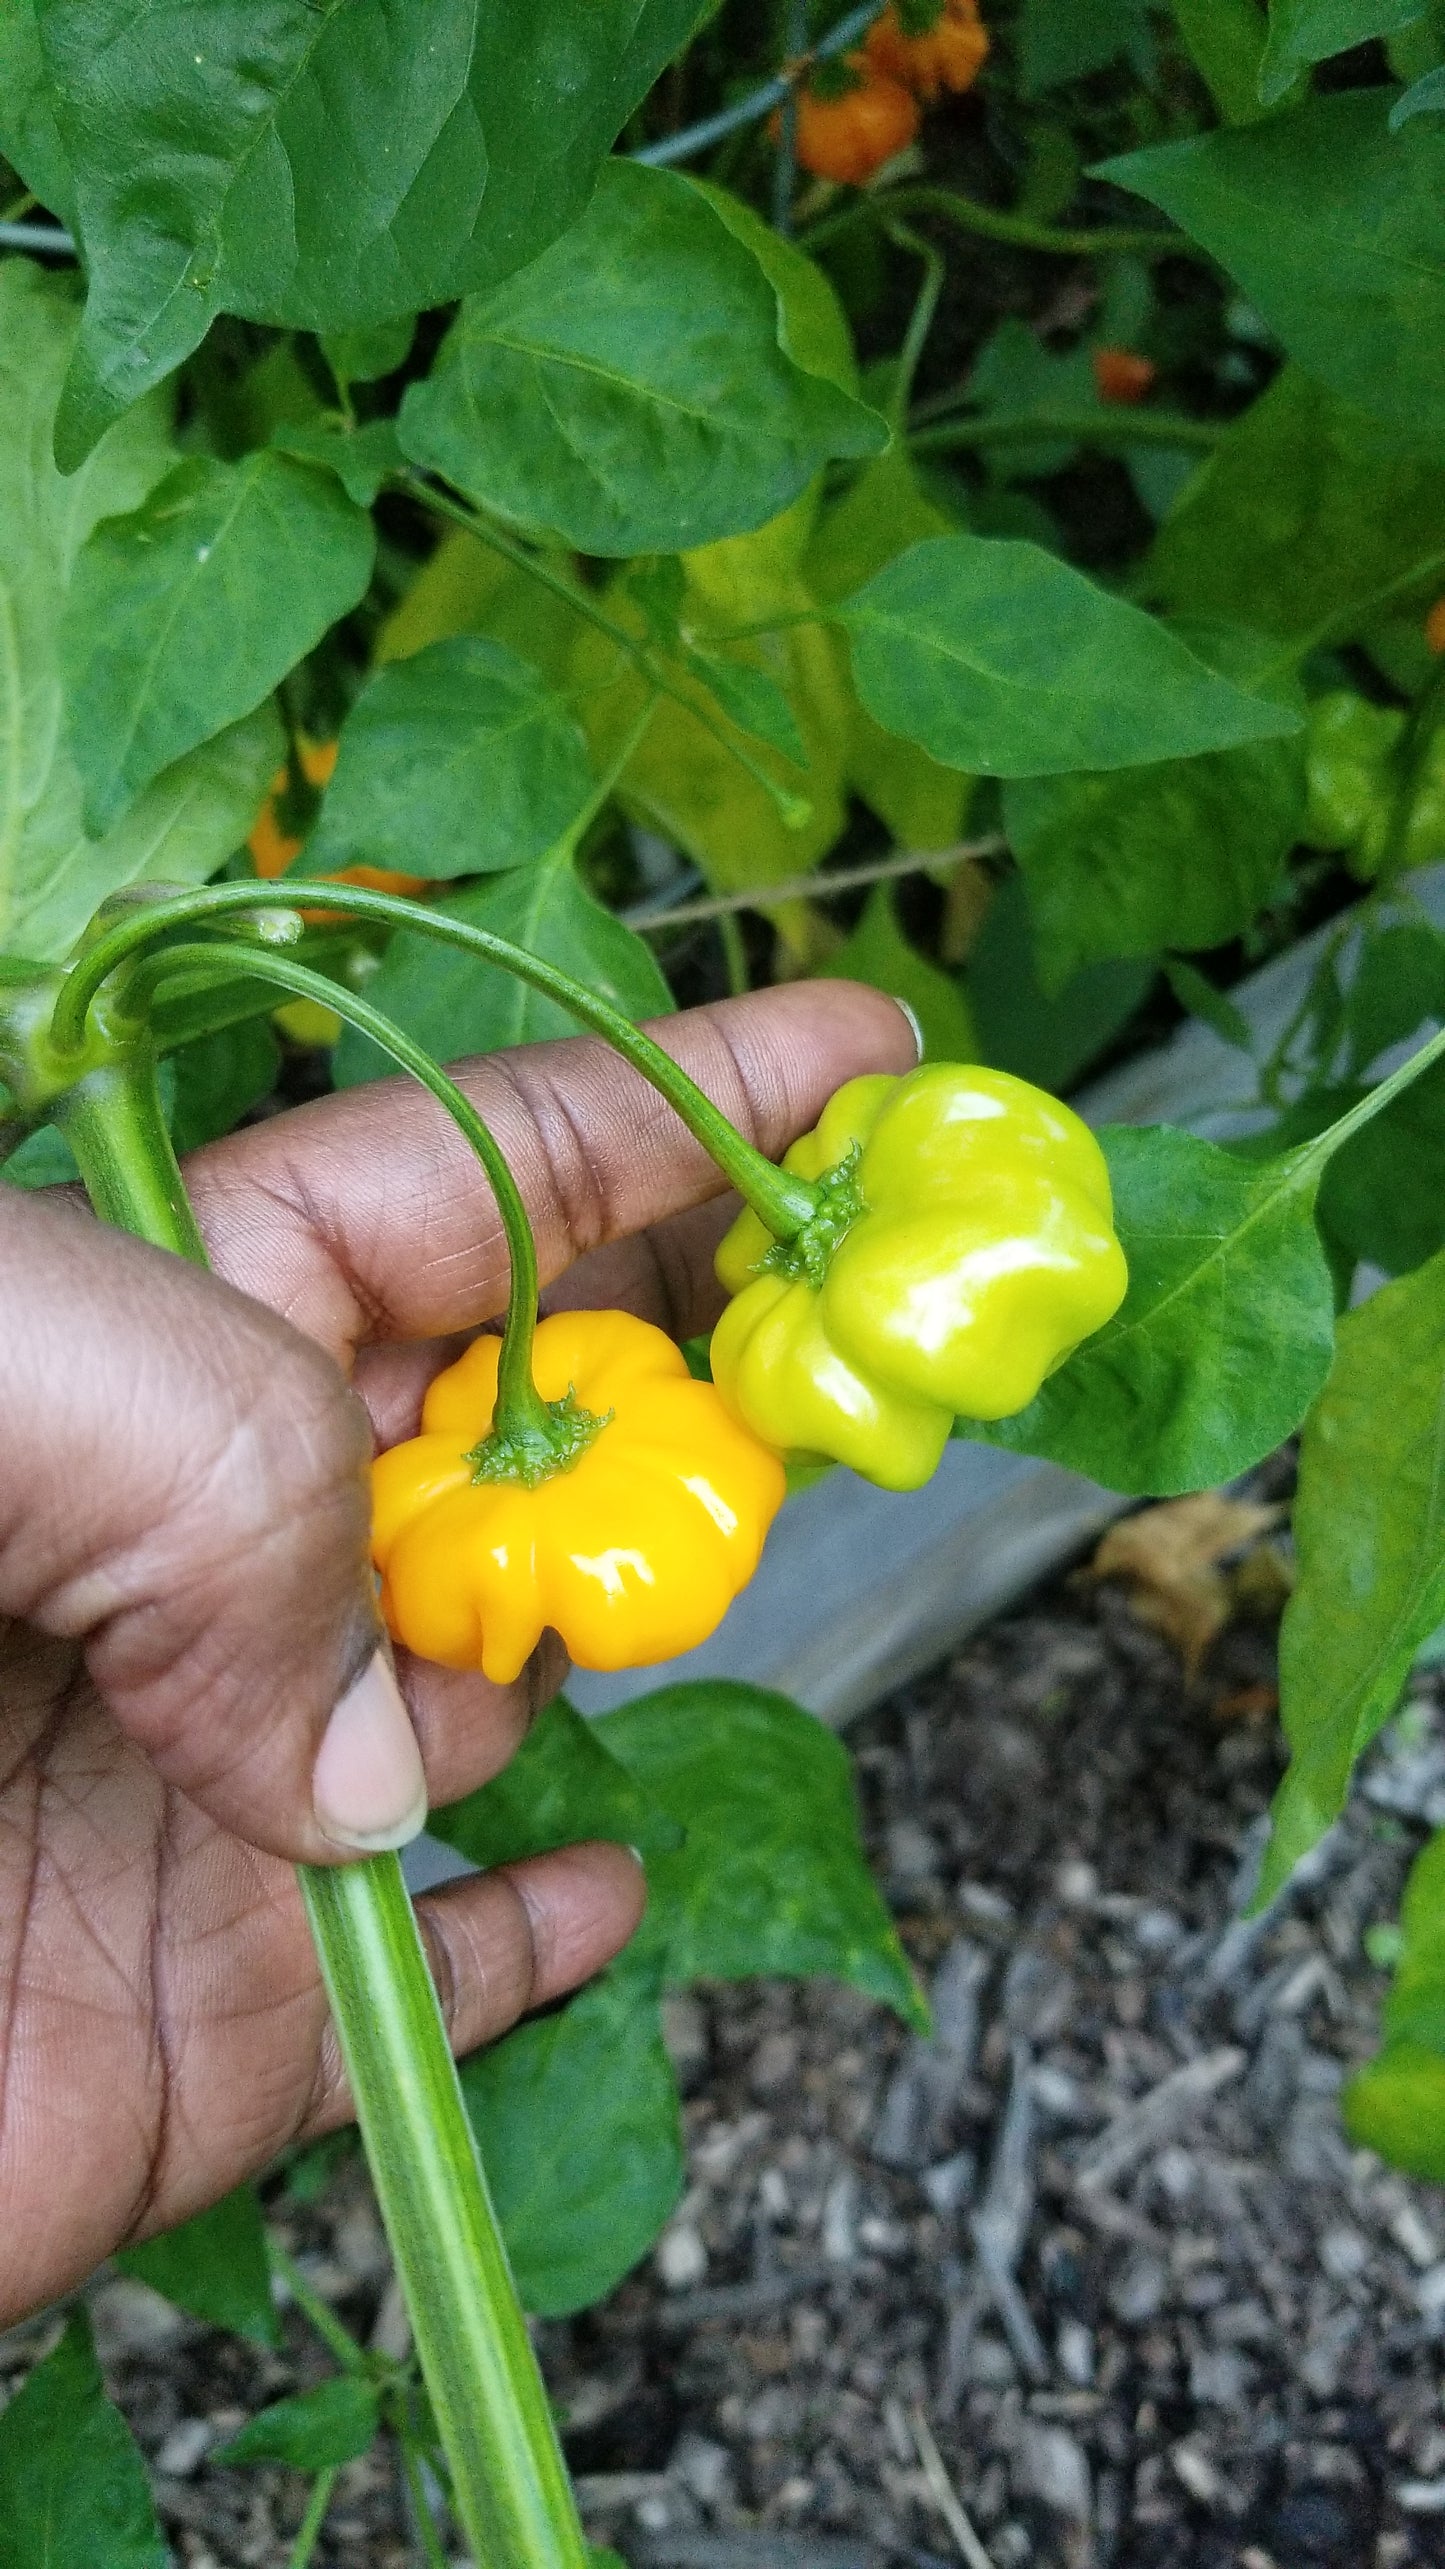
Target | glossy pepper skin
(849,137)
(632,1552)
(977,1249)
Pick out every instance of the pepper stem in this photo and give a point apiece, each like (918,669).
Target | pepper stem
(783,1203)
(509,2482)
(532,1427)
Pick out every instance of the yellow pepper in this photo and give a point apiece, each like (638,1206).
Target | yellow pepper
(963,1247)
(632,1548)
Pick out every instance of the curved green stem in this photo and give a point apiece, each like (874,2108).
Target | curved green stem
(309,2533)
(510,2488)
(920,320)
(992,224)
(783,1202)
(520,1411)
(1119,426)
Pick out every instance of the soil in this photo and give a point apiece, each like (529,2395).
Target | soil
(1095,2265)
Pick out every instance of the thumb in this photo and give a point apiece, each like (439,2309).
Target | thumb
(184,1494)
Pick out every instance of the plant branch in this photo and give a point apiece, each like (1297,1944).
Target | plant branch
(760,101)
(349,2355)
(819,887)
(311,2523)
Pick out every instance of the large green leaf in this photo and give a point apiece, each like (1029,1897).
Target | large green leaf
(52,871)
(318,2430)
(460,760)
(1223,1338)
(73,2487)
(580,2131)
(628,390)
(1226,41)
(772,1876)
(1000,659)
(1302,32)
(562,1785)
(1046,1036)
(1369,1531)
(324,167)
(214,2266)
(455,1005)
(1308,508)
(1182,855)
(1331,224)
(1396,2104)
(1382,1198)
(184,615)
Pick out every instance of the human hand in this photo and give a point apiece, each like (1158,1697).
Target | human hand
(191,1699)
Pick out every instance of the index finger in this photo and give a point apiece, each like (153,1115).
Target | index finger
(364,1217)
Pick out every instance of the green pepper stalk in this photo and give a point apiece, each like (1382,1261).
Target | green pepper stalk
(510,2488)
(784,1203)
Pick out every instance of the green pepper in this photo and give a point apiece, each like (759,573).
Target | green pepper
(963,1246)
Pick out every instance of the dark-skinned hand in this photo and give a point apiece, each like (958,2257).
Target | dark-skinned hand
(191,1694)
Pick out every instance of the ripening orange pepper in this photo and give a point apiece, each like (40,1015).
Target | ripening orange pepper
(849,137)
(632,1546)
(1435,626)
(1122,375)
(273,849)
(950,56)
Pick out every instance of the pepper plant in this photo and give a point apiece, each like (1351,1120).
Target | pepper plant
(453,563)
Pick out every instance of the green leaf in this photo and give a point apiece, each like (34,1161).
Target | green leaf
(1209,1004)
(1398,983)
(920,803)
(879,953)
(29,135)
(460,760)
(324,168)
(628,390)
(1306,510)
(1381,1198)
(1331,225)
(1002,660)
(215,2266)
(1048,1037)
(1226,41)
(73,2487)
(1424,97)
(455,1005)
(318,2430)
(683,781)
(561,1786)
(52,872)
(580,2131)
(1396,2104)
(361,458)
(184,615)
(1225,1334)
(812,324)
(1184,854)
(1061,40)
(219,1079)
(364,355)
(1369,1531)
(752,700)
(772,1877)
(1302,32)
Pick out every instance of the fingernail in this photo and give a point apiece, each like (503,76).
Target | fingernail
(912,1016)
(368,1788)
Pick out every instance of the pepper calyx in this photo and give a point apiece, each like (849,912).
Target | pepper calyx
(537,1450)
(807,1256)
